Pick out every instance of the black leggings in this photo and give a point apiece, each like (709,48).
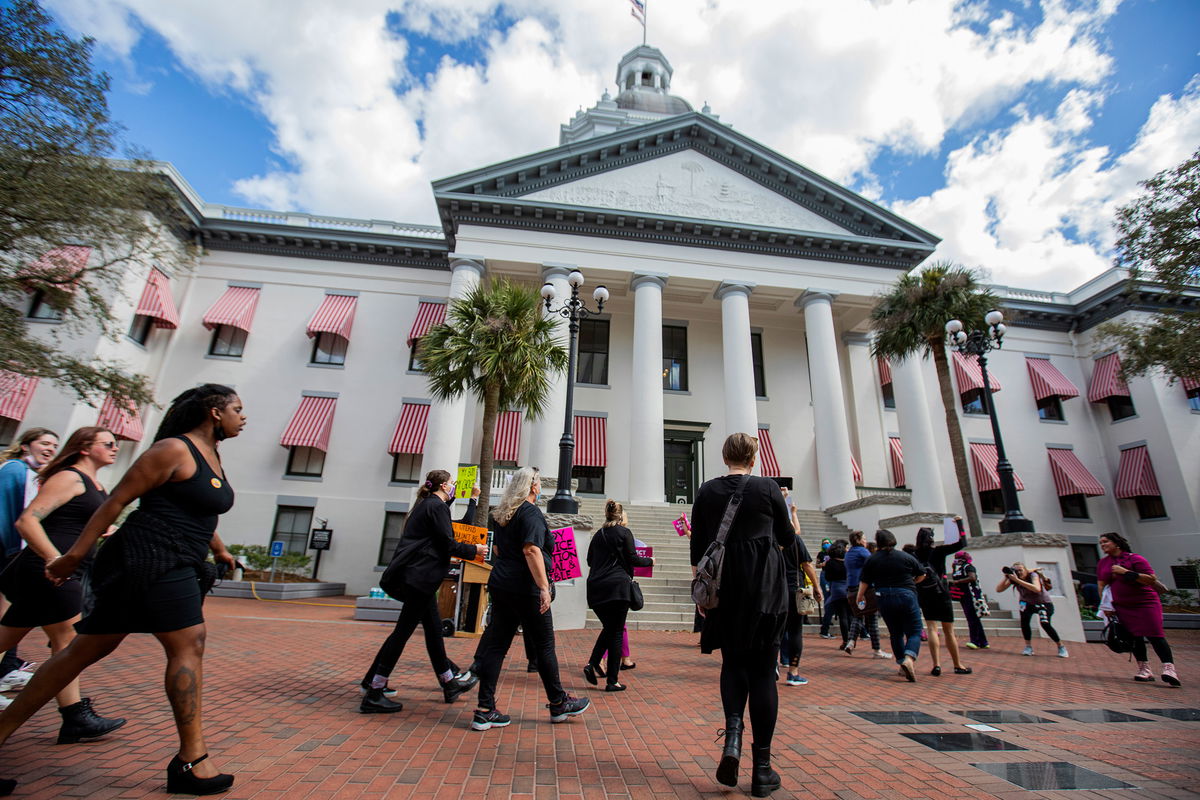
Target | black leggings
(612,616)
(793,634)
(1161,649)
(750,675)
(509,611)
(1044,612)
(417,609)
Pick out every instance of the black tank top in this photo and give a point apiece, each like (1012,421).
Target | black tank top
(191,506)
(65,523)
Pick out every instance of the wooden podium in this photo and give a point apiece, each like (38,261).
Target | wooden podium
(471,599)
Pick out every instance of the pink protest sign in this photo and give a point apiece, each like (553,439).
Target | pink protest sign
(681,525)
(647,552)
(564,563)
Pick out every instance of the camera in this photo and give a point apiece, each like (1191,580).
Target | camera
(1008,571)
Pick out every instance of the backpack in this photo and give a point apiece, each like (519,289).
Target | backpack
(706,586)
(1116,637)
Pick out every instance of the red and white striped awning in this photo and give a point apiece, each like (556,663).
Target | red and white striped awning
(591,445)
(855,469)
(885,371)
(897,461)
(428,315)
(123,420)
(335,315)
(311,424)
(1070,475)
(1047,380)
(15,393)
(62,266)
(969,376)
(409,436)
(985,460)
(508,437)
(1106,380)
(1191,386)
(767,462)
(156,302)
(235,308)
(1135,477)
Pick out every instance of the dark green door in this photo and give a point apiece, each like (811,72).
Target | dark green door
(681,470)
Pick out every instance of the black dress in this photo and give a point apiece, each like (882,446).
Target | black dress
(35,600)
(753,596)
(611,558)
(933,593)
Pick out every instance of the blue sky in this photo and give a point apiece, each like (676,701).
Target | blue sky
(1011,129)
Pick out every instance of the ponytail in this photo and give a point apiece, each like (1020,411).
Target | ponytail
(432,481)
(614,514)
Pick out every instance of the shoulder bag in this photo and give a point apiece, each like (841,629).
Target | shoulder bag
(637,601)
(806,602)
(1116,636)
(706,586)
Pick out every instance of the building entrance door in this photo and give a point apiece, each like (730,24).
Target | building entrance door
(681,469)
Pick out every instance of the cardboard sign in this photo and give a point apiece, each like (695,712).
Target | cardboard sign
(564,563)
(681,525)
(466,481)
(471,534)
(645,551)
(950,530)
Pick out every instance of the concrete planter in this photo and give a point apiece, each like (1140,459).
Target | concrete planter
(1093,628)
(278,591)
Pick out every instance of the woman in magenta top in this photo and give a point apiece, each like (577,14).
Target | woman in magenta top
(1137,604)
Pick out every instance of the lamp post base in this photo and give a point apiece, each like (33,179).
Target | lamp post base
(1016,525)
(562,503)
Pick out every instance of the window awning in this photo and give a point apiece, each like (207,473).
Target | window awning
(897,451)
(591,447)
(767,462)
(311,424)
(335,315)
(508,436)
(1070,475)
(855,469)
(1135,476)
(409,436)
(156,302)
(428,315)
(885,371)
(1191,386)
(15,393)
(1048,381)
(1106,380)
(984,460)
(60,266)
(235,308)
(123,420)
(969,376)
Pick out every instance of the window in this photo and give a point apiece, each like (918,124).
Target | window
(40,309)
(291,528)
(227,341)
(393,529)
(1074,506)
(889,396)
(139,331)
(414,362)
(1194,401)
(593,352)
(591,479)
(675,375)
(756,355)
(8,431)
(406,468)
(972,402)
(1150,506)
(306,462)
(1087,556)
(1050,408)
(328,348)
(1120,407)
(991,502)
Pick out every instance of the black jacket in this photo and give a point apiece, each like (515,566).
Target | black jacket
(422,557)
(611,558)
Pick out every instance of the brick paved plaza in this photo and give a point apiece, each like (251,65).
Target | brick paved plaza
(281,704)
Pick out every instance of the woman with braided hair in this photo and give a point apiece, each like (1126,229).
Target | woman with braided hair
(148,577)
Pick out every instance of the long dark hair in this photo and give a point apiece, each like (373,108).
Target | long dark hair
(1119,540)
(924,546)
(69,453)
(190,409)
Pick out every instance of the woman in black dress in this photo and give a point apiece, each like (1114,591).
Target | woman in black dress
(68,496)
(611,558)
(934,595)
(747,623)
(147,577)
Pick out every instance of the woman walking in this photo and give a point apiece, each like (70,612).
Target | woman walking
(148,577)
(69,495)
(895,576)
(520,590)
(415,573)
(1034,596)
(964,587)
(611,558)
(747,623)
(800,572)
(835,577)
(934,597)
(866,620)
(1138,606)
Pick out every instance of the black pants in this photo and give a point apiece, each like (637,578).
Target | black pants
(1044,612)
(867,625)
(1161,649)
(508,612)
(793,634)
(612,617)
(420,609)
(749,675)
(839,607)
(974,623)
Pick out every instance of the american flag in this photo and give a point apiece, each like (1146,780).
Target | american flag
(638,11)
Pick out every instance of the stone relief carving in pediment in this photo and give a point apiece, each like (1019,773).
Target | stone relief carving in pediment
(688,184)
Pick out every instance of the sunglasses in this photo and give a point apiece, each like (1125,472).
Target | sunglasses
(109,445)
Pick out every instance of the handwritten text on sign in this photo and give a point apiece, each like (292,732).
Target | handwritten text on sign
(466,481)
(470,535)
(646,551)
(564,563)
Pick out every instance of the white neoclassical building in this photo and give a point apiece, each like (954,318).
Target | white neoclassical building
(741,284)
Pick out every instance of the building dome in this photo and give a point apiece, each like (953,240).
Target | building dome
(637,99)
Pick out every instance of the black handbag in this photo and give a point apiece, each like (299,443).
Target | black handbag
(636,600)
(1116,637)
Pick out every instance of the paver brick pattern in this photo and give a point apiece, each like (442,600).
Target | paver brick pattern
(281,698)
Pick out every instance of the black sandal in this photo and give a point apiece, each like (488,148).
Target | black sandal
(962,670)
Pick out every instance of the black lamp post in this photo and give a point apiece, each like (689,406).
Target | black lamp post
(979,344)
(571,310)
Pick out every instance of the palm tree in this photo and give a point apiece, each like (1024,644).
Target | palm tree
(912,317)
(496,344)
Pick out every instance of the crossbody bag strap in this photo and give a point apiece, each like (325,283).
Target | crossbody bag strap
(731,510)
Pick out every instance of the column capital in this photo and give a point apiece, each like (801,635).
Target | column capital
(643,278)
(730,287)
(556,270)
(856,337)
(814,295)
(458,262)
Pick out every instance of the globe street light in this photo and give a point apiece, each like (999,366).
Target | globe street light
(979,344)
(571,310)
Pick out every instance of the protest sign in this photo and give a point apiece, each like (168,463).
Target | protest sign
(681,525)
(645,551)
(466,481)
(471,534)
(950,529)
(564,563)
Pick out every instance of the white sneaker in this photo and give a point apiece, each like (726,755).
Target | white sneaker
(1062,651)
(15,680)
(881,654)
(1028,651)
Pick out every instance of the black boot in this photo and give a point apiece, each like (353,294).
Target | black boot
(81,722)
(731,755)
(763,780)
(374,702)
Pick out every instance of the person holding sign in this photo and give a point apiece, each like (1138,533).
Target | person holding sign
(521,595)
(611,558)
(934,594)
(416,571)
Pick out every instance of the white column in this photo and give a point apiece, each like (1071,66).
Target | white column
(872,447)
(444,436)
(922,470)
(741,408)
(547,431)
(646,462)
(834,472)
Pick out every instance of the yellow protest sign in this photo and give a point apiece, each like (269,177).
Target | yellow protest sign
(466,481)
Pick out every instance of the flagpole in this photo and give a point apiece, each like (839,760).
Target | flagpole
(645,16)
